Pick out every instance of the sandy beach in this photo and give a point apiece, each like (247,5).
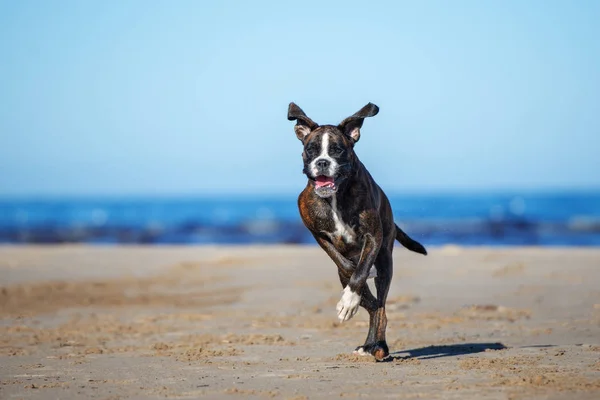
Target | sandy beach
(260,322)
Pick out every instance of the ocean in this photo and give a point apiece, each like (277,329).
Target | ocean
(515,219)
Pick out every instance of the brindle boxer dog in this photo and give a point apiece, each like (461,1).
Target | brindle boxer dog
(351,219)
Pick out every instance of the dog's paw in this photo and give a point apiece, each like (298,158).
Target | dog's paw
(348,305)
(360,351)
(379,350)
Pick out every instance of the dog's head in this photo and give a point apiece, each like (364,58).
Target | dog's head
(328,154)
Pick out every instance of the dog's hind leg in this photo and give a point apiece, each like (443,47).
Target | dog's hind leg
(369,303)
(376,344)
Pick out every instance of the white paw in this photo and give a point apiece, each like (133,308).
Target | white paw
(348,305)
(361,352)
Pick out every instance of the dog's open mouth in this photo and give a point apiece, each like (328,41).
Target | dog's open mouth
(323,181)
(325,186)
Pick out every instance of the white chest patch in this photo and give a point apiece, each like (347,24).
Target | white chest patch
(342,229)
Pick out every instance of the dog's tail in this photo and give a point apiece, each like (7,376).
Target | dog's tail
(409,243)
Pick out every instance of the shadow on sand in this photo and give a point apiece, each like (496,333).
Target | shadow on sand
(450,350)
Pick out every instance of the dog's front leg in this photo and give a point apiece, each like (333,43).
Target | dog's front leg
(348,305)
(346,266)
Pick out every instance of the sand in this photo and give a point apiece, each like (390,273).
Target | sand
(260,322)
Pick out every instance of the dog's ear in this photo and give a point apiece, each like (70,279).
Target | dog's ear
(304,125)
(351,125)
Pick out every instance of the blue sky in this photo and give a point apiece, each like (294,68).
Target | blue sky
(190,97)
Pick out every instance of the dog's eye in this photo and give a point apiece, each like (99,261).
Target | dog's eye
(336,150)
(311,151)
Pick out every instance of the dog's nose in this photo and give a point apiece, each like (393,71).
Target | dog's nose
(322,164)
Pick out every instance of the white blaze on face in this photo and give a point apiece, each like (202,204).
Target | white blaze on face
(333,165)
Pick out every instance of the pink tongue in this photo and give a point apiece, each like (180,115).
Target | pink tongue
(321,181)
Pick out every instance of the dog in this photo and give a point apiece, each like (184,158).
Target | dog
(351,219)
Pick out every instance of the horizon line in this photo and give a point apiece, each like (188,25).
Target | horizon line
(288,194)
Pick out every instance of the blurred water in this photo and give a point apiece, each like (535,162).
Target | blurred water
(570,219)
